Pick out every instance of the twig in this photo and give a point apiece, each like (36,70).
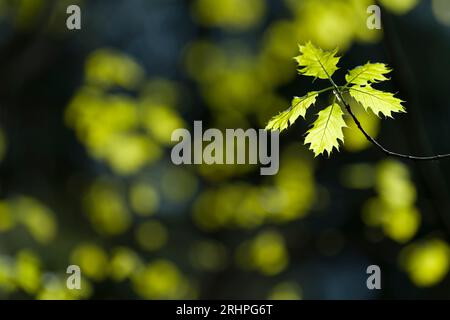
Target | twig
(341,99)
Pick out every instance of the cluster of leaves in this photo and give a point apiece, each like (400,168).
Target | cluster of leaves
(327,130)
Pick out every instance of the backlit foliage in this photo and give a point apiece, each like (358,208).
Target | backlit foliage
(35,217)
(225,71)
(286,291)
(298,108)
(315,62)
(287,198)
(327,130)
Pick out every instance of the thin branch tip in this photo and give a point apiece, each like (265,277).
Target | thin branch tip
(338,94)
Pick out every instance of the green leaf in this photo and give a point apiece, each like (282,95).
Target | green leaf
(288,117)
(315,62)
(326,131)
(376,100)
(368,73)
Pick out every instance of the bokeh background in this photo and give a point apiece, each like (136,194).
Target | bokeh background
(86,118)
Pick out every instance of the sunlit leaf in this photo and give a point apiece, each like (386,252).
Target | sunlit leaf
(376,100)
(288,117)
(427,262)
(315,62)
(368,73)
(399,6)
(327,130)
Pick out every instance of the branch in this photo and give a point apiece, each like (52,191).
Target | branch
(341,99)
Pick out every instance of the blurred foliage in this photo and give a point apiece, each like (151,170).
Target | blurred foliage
(161,279)
(233,14)
(286,291)
(31,214)
(427,262)
(441,10)
(397,216)
(266,253)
